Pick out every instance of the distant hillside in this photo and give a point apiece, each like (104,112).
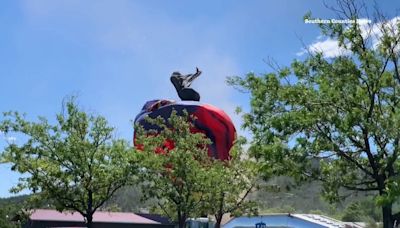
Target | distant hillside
(306,198)
(127,199)
(286,195)
(13,200)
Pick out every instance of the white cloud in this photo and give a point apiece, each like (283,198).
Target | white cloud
(10,139)
(330,47)
(374,31)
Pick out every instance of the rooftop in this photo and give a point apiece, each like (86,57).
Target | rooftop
(291,220)
(99,216)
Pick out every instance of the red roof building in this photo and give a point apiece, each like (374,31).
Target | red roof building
(44,218)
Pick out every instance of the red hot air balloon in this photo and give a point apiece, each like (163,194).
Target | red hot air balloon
(210,120)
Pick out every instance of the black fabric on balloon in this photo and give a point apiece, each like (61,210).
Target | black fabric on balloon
(182,85)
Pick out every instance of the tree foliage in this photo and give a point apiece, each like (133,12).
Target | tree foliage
(75,164)
(185,181)
(334,119)
(12,215)
(231,182)
(177,178)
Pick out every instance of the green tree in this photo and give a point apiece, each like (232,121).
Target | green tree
(353,213)
(230,184)
(334,119)
(176,178)
(185,181)
(12,215)
(75,164)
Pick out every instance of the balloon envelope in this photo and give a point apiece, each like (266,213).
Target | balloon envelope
(211,121)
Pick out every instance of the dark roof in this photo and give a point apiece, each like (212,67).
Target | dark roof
(158,218)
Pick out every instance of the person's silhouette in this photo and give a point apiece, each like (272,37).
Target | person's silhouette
(182,85)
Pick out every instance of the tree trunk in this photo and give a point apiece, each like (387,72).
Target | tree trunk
(89,209)
(387,216)
(182,223)
(220,214)
(218,219)
(181,219)
(89,221)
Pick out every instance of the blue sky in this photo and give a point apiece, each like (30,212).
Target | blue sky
(118,54)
